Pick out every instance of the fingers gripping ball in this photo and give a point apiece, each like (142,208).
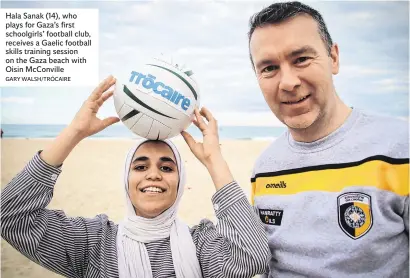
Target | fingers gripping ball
(158,99)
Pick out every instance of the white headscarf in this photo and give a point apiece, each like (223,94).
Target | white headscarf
(134,231)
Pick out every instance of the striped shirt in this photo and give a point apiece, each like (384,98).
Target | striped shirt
(81,247)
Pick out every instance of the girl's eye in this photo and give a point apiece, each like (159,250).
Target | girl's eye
(166,169)
(140,167)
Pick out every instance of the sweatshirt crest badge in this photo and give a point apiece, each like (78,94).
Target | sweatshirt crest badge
(355,214)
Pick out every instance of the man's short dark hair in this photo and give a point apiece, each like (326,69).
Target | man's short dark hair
(279,12)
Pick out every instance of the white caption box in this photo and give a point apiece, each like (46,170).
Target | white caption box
(49,47)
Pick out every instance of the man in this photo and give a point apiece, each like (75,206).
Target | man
(333,190)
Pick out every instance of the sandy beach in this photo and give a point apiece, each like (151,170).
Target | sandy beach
(90,184)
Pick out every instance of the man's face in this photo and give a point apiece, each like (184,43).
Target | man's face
(294,70)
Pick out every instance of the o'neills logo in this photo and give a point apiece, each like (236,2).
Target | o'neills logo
(281,184)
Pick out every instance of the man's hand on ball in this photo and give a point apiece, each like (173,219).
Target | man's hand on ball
(86,122)
(209,150)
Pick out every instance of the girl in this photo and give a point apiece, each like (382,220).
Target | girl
(151,241)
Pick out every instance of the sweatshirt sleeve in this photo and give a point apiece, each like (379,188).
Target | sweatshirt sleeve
(237,245)
(406,214)
(47,237)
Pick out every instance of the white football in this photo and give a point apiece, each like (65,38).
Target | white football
(158,99)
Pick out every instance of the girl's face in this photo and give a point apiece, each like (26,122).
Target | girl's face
(153,179)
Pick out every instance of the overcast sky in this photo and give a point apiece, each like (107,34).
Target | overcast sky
(211,37)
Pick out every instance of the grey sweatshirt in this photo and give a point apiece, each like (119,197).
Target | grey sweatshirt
(337,207)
